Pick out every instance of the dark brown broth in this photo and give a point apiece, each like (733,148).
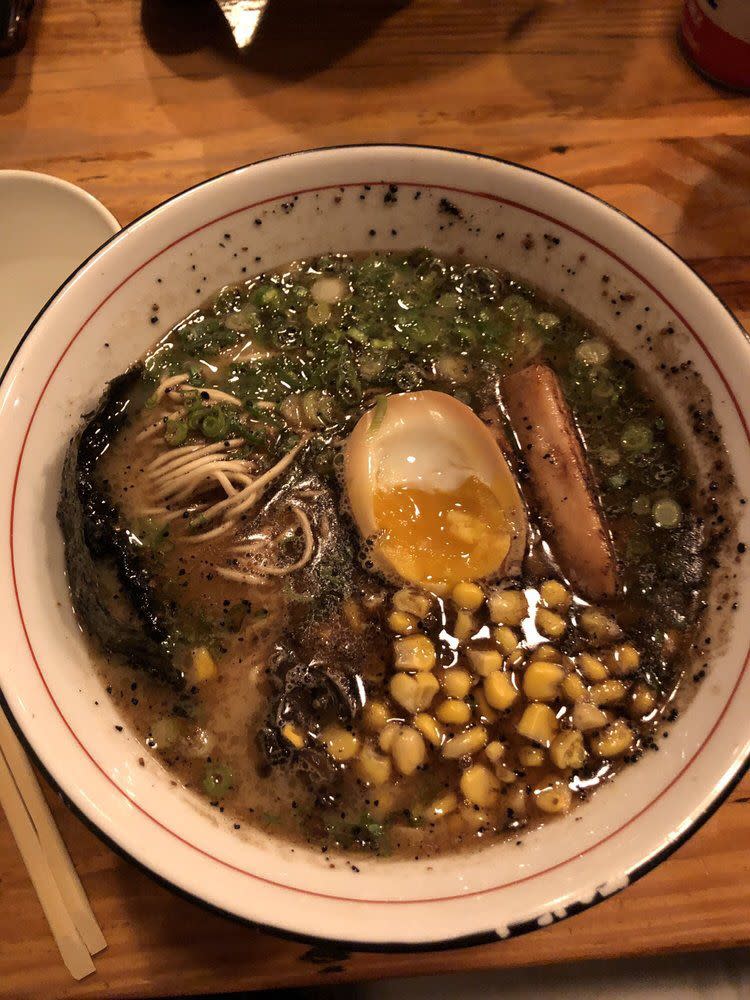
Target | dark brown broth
(663,570)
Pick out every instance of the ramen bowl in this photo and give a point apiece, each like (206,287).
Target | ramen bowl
(572,247)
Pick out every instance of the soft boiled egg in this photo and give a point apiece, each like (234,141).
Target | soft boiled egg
(432,493)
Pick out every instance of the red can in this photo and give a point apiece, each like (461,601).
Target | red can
(716,35)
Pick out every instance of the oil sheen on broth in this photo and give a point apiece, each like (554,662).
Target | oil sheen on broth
(395,556)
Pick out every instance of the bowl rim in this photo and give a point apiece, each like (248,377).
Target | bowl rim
(516,929)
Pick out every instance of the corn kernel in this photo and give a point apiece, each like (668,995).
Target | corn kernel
(340,743)
(531,756)
(427,726)
(442,806)
(408,750)
(608,692)
(485,661)
(567,750)
(495,751)
(401,622)
(166,731)
(538,724)
(414,692)
(353,614)
(541,681)
(388,736)
(375,715)
(573,688)
(456,682)
(515,801)
(516,658)
(475,817)
(413,602)
(555,595)
(485,713)
(613,741)
(373,600)
(549,623)
(479,786)
(499,690)
(587,716)
(553,796)
(453,712)
(467,596)
(592,668)
(403,691)
(506,639)
(204,665)
(465,626)
(414,652)
(294,735)
(469,742)
(505,774)
(642,700)
(507,607)
(373,767)
(547,652)
(598,625)
(623,660)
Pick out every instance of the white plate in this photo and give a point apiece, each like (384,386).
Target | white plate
(47,228)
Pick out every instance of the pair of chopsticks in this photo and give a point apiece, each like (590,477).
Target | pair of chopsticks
(63,899)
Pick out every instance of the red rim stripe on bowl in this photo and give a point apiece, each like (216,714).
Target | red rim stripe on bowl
(285,197)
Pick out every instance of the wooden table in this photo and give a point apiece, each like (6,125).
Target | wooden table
(135,104)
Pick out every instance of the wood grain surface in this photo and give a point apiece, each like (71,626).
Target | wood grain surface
(137,100)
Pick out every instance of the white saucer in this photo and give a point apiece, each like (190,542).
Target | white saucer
(47,228)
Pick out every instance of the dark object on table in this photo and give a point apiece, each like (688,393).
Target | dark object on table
(14,24)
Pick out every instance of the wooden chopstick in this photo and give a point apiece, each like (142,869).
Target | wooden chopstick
(51,842)
(74,952)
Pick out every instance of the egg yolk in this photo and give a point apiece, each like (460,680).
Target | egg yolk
(438,539)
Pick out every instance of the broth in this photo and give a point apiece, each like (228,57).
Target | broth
(347,688)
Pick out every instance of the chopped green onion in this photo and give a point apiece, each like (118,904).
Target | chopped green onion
(165,732)
(215,424)
(175,432)
(641,505)
(547,320)
(593,352)
(609,456)
(195,416)
(666,513)
(618,480)
(234,616)
(603,389)
(290,410)
(217,780)
(319,312)
(449,301)
(517,307)
(637,437)
(378,414)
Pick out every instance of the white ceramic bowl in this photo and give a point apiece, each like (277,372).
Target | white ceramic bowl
(548,233)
